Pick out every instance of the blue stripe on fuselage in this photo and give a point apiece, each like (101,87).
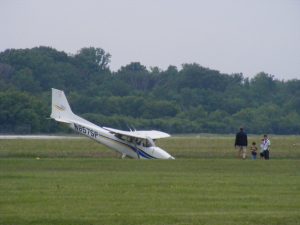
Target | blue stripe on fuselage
(135,149)
(141,153)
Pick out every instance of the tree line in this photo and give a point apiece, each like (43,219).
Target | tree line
(193,99)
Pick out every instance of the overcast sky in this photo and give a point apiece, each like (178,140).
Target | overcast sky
(232,36)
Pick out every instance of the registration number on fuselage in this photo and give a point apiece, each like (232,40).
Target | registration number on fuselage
(86,131)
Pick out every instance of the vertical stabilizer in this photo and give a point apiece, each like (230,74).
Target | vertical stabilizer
(61,110)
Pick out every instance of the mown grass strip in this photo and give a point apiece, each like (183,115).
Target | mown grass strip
(113,191)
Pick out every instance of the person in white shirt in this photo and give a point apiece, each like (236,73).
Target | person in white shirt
(266,143)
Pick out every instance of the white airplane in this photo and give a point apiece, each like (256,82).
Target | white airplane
(134,144)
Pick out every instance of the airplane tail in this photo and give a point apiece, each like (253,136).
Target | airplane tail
(61,110)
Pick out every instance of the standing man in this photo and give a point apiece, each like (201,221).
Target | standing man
(266,147)
(241,142)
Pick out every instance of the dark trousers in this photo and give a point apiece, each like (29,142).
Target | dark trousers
(267,154)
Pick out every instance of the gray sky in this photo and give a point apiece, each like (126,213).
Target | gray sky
(232,36)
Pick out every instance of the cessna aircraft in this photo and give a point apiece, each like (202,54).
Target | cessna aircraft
(134,144)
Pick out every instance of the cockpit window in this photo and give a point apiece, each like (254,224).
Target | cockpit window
(143,142)
(147,143)
(138,141)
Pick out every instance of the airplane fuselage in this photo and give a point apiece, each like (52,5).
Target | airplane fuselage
(133,148)
(135,144)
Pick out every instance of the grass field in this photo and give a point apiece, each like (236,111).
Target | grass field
(80,182)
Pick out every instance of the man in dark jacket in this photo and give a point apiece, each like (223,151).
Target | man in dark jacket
(241,142)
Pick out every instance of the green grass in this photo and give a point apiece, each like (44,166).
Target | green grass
(206,146)
(79,182)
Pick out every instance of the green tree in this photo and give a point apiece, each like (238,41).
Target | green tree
(95,58)
(22,113)
(136,76)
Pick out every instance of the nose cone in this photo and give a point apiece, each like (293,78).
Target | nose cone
(162,154)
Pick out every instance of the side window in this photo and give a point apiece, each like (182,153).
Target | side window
(138,141)
(130,139)
(146,143)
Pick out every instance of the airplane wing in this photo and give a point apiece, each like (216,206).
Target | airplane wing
(143,134)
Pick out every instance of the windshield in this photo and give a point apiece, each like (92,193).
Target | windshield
(143,142)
